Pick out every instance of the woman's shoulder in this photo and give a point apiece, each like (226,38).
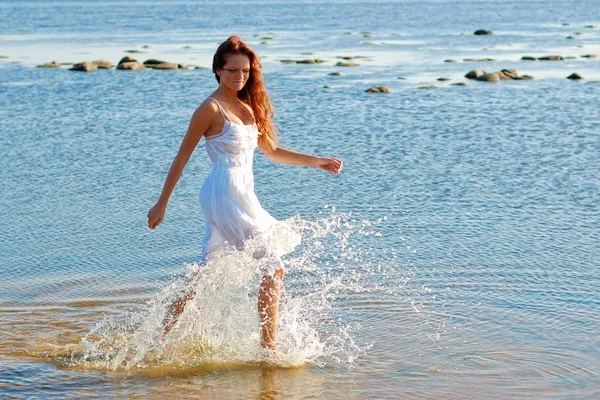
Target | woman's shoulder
(207,108)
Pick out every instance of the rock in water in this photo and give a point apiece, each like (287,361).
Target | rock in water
(152,61)
(491,77)
(346,64)
(474,74)
(130,63)
(551,58)
(378,89)
(310,61)
(127,59)
(483,32)
(523,78)
(574,76)
(132,66)
(53,64)
(84,66)
(102,64)
(508,74)
(164,66)
(529,58)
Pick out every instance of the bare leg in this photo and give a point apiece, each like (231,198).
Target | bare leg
(176,309)
(268,306)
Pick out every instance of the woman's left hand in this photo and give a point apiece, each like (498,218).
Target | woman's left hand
(330,164)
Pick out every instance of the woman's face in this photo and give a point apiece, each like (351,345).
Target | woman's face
(235,72)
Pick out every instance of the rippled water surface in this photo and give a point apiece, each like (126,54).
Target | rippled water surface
(456,255)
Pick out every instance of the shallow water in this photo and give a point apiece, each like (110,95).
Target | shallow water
(455,256)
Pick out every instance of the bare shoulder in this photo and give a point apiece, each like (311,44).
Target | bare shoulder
(206,110)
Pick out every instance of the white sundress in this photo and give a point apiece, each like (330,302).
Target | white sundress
(232,211)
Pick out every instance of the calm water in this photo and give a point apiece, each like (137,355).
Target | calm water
(455,256)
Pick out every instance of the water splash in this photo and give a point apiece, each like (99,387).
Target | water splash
(220,324)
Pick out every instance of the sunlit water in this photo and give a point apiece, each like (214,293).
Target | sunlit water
(455,256)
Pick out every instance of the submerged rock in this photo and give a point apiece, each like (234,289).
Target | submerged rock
(346,64)
(378,89)
(428,87)
(443,79)
(310,61)
(459,84)
(529,58)
(478,59)
(483,32)
(450,60)
(337,73)
(551,58)
(523,78)
(590,56)
(84,66)
(574,76)
(53,64)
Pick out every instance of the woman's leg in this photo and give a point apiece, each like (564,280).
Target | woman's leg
(176,309)
(268,306)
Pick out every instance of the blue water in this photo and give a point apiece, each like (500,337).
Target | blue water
(480,274)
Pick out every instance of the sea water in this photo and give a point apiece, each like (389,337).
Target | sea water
(455,256)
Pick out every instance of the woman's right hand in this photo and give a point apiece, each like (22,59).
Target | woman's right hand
(156,215)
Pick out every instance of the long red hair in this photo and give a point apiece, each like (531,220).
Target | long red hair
(254,92)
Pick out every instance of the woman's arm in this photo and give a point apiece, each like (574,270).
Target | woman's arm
(286,156)
(200,122)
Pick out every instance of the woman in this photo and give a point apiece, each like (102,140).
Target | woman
(234,120)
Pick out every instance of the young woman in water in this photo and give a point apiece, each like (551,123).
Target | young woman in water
(234,120)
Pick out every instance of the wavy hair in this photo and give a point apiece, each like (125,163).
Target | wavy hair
(253,93)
